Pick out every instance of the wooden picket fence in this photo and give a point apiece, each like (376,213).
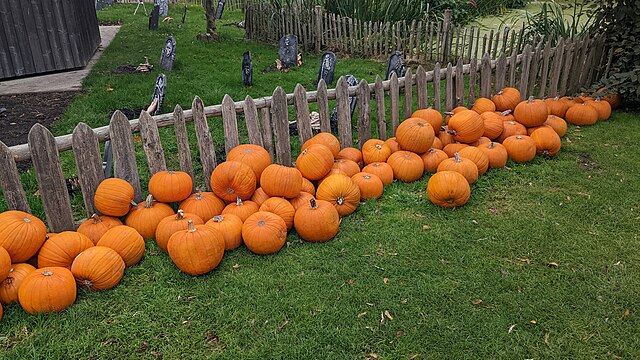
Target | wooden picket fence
(543,71)
(229,5)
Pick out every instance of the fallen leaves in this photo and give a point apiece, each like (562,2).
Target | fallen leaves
(282,326)
(236,266)
(534,322)
(362,314)
(388,315)
(385,280)
(552,264)
(511,328)
(477,302)
(626,314)
(426,227)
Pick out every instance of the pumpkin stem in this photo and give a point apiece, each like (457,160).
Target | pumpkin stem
(180,215)
(171,172)
(556,98)
(314,204)
(191,227)
(491,145)
(448,113)
(87,283)
(340,200)
(530,100)
(457,157)
(47,273)
(26,220)
(96,219)
(198,196)
(239,201)
(378,146)
(452,132)
(366,176)
(218,218)
(148,203)
(506,112)
(133,203)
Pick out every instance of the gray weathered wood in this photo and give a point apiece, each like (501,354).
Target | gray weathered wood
(459,83)
(205,142)
(556,69)
(281,127)
(51,182)
(344,113)
(394,94)
(449,101)
(534,69)
(473,81)
(230,124)
(124,155)
(10,182)
(302,114)
(182,142)
(323,107)
(437,73)
(380,109)
(546,56)
(485,77)
(86,151)
(364,113)
(501,72)
(267,131)
(151,143)
(566,68)
(421,86)
(524,73)
(252,121)
(512,68)
(408,93)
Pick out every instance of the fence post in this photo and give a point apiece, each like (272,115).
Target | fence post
(446,37)
(318,27)
(10,181)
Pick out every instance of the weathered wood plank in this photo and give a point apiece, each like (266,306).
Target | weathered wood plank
(252,121)
(380,109)
(230,124)
(151,143)
(459,83)
(408,93)
(556,68)
(449,102)
(485,76)
(501,72)
(344,113)
(534,70)
(281,126)
(512,68)
(10,182)
(524,73)
(323,107)
(364,113)
(546,56)
(182,142)
(302,114)
(86,151)
(205,142)
(394,94)
(124,156)
(566,68)
(437,73)
(421,85)
(473,81)
(267,131)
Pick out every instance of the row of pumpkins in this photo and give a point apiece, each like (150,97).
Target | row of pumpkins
(256,202)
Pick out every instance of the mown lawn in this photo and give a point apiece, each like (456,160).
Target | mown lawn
(541,263)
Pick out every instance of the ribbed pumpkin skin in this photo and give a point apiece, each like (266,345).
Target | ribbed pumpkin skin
(415,135)
(520,148)
(49,289)
(483,105)
(307,186)
(556,106)
(5,264)
(437,143)
(315,161)
(464,166)
(326,139)
(21,234)
(264,233)
(98,268)
(431,116)
(340,191)
(205,205)
(9,286)
(370,185)
(482,140)
(280,207)
(300,200)
(170,186)
(548,143)
(512,128)
(197,250)
(113,197)
(496,153)
(530,130)
(582,114)
(230,226)
(531,112)
(172,224)
(466,126)
(97,225)
(477,156)
(558,124)
(381,170)
(615,100)
(146,216)
(493,125)
(445,137)
(448,189)
(126,242)
(61,249)
(254,156)
(242,209)
(258,197)
(352,154)
(393,144)
(453,148)
(506,99)
(317,221)
(407,166)
(375,150)
(432,158)
(349,167)
(233,179)
(282,181)
(602,107)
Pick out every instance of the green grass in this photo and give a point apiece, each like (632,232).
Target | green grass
(331,296)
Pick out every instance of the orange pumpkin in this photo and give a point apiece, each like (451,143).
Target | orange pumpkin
(512,128)
(482,140)
(146,216)
(60,250)
(615,100)
(374,150)
(242,209)
(415,134)
(170,186)
(448,189)
(97,225)
(432,116)
(520,148)
(371,187)
(280,207)
(531,112)
(315,161)
(113,197)
(300,200)
(196,250)
(464,166)
(264,233)
(582,114)
(437,144)
(98,268)
(307,186)
(393,144)
(506,99)
(204,205)
(254,156)
(5,264)
(126,242)
(381,170)
(496,153)
(233,179)
(558,124)
(317,221)
(259,196)
(340,191)
(172,224)
(445,137)
(230,226)
(483,105)
(278,180)
(556,106)
(602,107)
(407,166)
(9,286)
(432,158)
(453,148)
(547,141)
(49,289)
(530,130)
(351,153)
(21,234)
(466,126)
(326,139)
(493,124)
(477,156)
(349,167)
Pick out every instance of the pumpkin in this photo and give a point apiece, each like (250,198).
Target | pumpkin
(464,166)
(431,116)
(259,196)
(493,125)
(556,106)
(477,156)
(326,139)
(582,114)
(9,286)
(281,181)
(506,99)
(280,207)
(602,107)
(170,186)
(254,156)
(415,135)
(126,241)
(264,233)
(437,144)
(340,191)
(45,290)
(448,189)
(307,186)
(445,137)
(374,150)
(393,144)
(351,153)
(466,126)
(558,124)
(242,209)
(407,166)
(371,187)
(570,101)
(196,250)
(98,268)
(349,167)
(97,225)
(432,158)
(230,226)
(615,100)
(21,234)
(315,161)
(447,117)
(113,197)
(496,153)
(233,179)
(317,221)
(174,223)
(512,128)
(531,112)
(530,130)
(547,141)
(458,109)
(204,205)
(60,250)
(381,170)
(333,172)
(146,216)
(520,148)
(453,148)
(300,200)
(483,105)
(482,140)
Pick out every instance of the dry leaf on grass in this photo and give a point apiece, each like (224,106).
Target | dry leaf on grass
(236,266)
(388,315)
(362,314)
(477,302)
(283,325)
(626,314)
(552,264)
(385,280)
(511,328)
(426,227)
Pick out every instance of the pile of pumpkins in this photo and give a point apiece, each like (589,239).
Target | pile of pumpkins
(256,203)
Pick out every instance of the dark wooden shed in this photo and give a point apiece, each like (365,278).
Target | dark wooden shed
(40,36)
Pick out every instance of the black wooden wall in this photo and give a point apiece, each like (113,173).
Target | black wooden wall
(39,36)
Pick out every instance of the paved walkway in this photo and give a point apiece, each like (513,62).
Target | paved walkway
(60,81)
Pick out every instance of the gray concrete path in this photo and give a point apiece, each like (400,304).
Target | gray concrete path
(61,81)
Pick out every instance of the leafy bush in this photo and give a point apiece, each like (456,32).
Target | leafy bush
(552,23)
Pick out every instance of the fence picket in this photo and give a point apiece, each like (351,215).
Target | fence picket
(421,86)
(251,119)
(394,94)
(302,114)
(501,69)
(556,68)
(449,89)
(408,93)
(151,143)
(437,73)
(323,107)
(524,74)
(267,131)
(364,112)
(229,123)
(86,151)
(485,76)
(473,75)
(205,142)
(546,54)
(281,126)
(124,158)
(10,182)
(380,109)
(459,83)
(182,142)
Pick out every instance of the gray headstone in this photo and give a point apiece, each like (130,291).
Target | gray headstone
(352,81)
(220,9)
(153,18)
(288,51)
(395,65)
(164,7)
(184,12)
(247,69)
(168,54)
(327,67)
(159,91)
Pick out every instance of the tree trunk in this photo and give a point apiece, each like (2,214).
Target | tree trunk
(210,13)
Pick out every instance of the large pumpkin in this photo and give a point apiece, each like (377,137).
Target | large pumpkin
(547,141)
(197,250)
(126,241)
(556,106)
(113,197)
(415,134)
(21,234)
(230,226)
(97,225)
(453,148)
(49,289)
(340,191)
(233,179)
(349,167)
(558,124)
(280,207)
(512,128)
(520,148)
(477,156)
(437,144)
(466,126)
(61,249)
(496,153)
(300,200)
(582,114)
(170,186)
(98,268)
(146,216)
(432,158)
(351,153)
(464,166)
(326,139)
(602,107)
(317,221)
(254,156)
(448,189)
(407,166)
(531,112)
(242,209)
(493,124)
(381,170)
(315,161)
(9,286)
(172,224)
(506,99)
(393,144)
(205,205)
(5,264)
(370,185)
(279,180)
(264,233)
(432,116)
(375,150)
(483,105)
(260,196)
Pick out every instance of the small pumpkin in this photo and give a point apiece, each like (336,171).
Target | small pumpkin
(558,124)
(407,166)
(315,161)
(352,154)
(307,186)
(300,200)
(437,144)
(506,99)
(496,153)
(448,189)
(464,166)
(453,148)
(21,234)
(582,114)
(466,126)
(233,179)
(530,130)
(204,205)
(317,221)
(259,196)
(370,185)
(97,225)
(326,139)
(230,226)
(556,106)
(531,112)
(445,137)
(170,186)
(242,209)
(9,286)
(145,216)
(60,250)
(49,289)
(196,250)
(254,156)
(477,156)
(375,150)
(432,116)
(482,140)
(512,128)
(172,224)
(340,191)
(280,207)
(520,148)
(483,105)
(281,181)
(98,268)
(547,141)
(126,241)
(349,167)
(264,233)
(381,170)
(415,135)
(432,158)
(493,124)
(393,144)
(602,107)
(113,197)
